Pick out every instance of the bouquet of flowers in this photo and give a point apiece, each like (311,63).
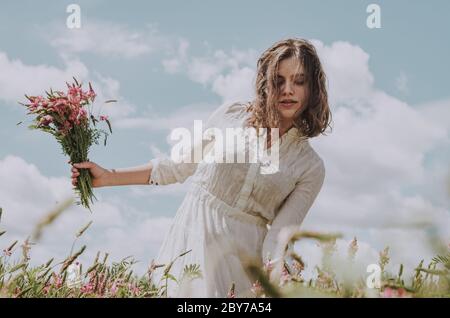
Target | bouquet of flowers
(69,118)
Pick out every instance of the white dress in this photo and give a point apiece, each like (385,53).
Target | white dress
(233,210)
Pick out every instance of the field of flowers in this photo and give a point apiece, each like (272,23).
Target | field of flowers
(69,278)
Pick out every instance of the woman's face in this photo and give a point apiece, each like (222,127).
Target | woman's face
(292,88)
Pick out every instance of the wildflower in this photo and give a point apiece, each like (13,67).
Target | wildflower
(57,280)
(256,288)
(113,289)
(384,258)
(91,94)
(87,288)
(285,276)
(46,120)
(352,249)
(268,266)
(387,293)
(298,264)
(7,252)
(46,289)
(231,292)
(82,114)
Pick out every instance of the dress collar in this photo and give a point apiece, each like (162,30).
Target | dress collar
(294,134)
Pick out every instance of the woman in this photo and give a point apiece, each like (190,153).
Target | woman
(232,210)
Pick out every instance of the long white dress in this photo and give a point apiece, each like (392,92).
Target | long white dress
(233,210)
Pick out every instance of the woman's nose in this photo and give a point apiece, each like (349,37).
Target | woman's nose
(288,88)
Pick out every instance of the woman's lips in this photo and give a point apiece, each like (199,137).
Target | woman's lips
(287,105)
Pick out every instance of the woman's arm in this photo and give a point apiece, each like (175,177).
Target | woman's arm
(159,171)
(293,211)
(129,176)
(102,177)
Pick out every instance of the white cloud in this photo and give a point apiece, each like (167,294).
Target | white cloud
(26,196)
(375,162)
(347,70)
(237,85)
(230,75)
(184,116)
(109,88)
(173,65)
(18,78)
(107,39)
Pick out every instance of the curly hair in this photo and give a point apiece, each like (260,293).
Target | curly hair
(315,116)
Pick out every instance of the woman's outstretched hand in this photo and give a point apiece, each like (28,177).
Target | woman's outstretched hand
(99,175)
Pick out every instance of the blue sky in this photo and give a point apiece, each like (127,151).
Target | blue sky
(410,31)
(130,45)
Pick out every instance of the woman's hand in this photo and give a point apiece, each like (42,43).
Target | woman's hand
(99,175)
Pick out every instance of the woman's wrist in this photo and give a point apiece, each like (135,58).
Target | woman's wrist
(127,176)
(109,178)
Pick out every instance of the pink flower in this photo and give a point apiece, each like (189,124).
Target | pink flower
(285,277)
(82,113)
(74,94)
(133,289)
(46,289)
(88,288)
(231,292)
(91,94)
(74,90)
(401,293)
(388,292)
(36,101)
(66,127)
(113,289)
(6,252)
(102,117)
(57,281)
(268,266)
(74,99)
(256,288)
(395,293)
(136,290)
(61,103)
(46,120)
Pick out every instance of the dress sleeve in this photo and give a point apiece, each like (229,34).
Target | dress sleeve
(294,209)
(167,171)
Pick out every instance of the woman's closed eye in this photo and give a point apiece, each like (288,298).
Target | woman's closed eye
(300,81)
